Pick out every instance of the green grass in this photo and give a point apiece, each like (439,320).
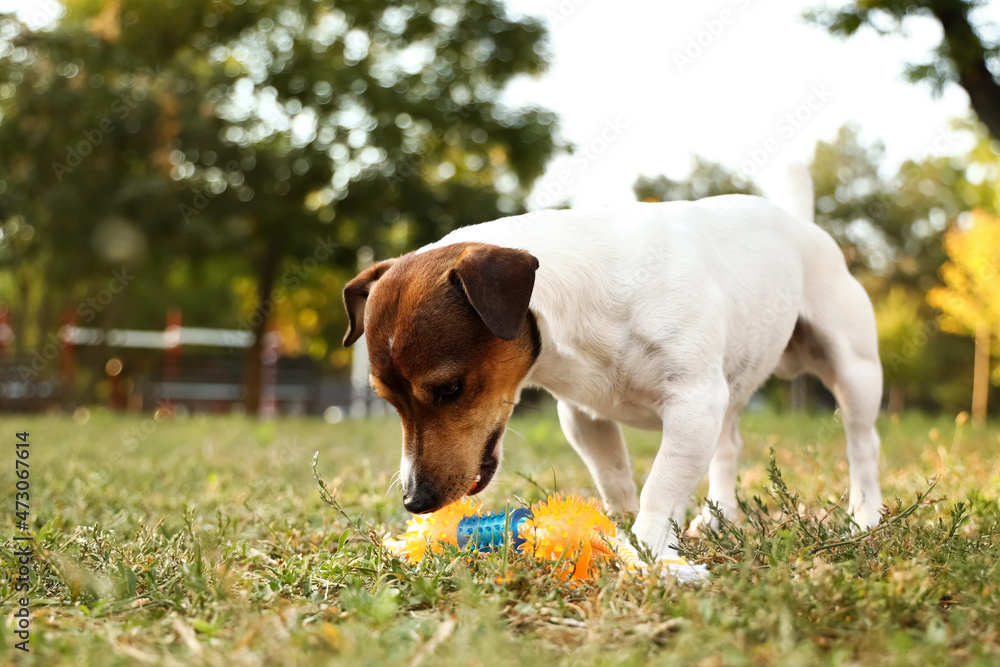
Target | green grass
(205,541)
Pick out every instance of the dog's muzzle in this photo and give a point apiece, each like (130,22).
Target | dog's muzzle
(420,500)
(489,463)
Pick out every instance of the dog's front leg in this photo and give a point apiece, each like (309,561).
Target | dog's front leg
(692,422)
(600,444)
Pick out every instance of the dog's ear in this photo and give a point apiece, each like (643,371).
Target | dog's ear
(356,297)
(498,283)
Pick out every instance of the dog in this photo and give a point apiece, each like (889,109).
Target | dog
(661,316)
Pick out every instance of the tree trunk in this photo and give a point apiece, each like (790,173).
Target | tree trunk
(19,319)
(981,374)
(897,398)
(43,318)
(968,55)
(800,394)
(266,272)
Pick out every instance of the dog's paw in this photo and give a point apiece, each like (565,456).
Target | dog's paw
(674,568)
(865,518)
(680,570)
(702,523)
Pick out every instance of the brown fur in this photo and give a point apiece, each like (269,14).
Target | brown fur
(439,318)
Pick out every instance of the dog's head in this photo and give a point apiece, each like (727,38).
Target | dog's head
(450,339)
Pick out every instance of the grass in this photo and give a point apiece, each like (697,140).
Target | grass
(205,541)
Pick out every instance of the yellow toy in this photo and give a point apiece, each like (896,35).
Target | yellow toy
(572,531)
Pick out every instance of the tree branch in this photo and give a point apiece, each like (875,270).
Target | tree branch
(968,55)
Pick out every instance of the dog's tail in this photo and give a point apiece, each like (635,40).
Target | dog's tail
(797,195)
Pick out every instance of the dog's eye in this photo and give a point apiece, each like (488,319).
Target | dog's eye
(445,393)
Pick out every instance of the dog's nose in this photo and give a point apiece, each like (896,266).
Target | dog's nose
(420,500)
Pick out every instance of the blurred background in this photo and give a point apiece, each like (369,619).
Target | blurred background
(186,185)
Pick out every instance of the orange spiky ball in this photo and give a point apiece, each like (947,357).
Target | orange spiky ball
(565,530)
(435,530)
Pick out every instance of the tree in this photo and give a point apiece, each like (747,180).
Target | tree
(707,179)
(932,192)
(970,298)
(967,54)
(890,227)
(903,336)
(389,117)
(277,134)
(853,201)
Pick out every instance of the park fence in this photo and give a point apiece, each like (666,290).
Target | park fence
(180,368)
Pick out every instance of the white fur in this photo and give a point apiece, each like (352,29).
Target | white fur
(406,480)
(668,317)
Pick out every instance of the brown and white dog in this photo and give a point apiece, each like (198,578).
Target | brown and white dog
(660,316)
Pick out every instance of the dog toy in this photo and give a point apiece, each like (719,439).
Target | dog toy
(572,531)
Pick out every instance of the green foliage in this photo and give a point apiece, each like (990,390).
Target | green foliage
(851,201)
(246,136)
(891,224)
(900,228)
(891,230)
(904,337)
(706,179)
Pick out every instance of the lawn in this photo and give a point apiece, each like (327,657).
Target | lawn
(205,540)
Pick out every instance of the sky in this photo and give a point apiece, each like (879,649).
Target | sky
(644,84)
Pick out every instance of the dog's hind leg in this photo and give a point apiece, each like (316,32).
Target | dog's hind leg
(839,344)
(856,383)
(600,444)
(858,389)
(722,475)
